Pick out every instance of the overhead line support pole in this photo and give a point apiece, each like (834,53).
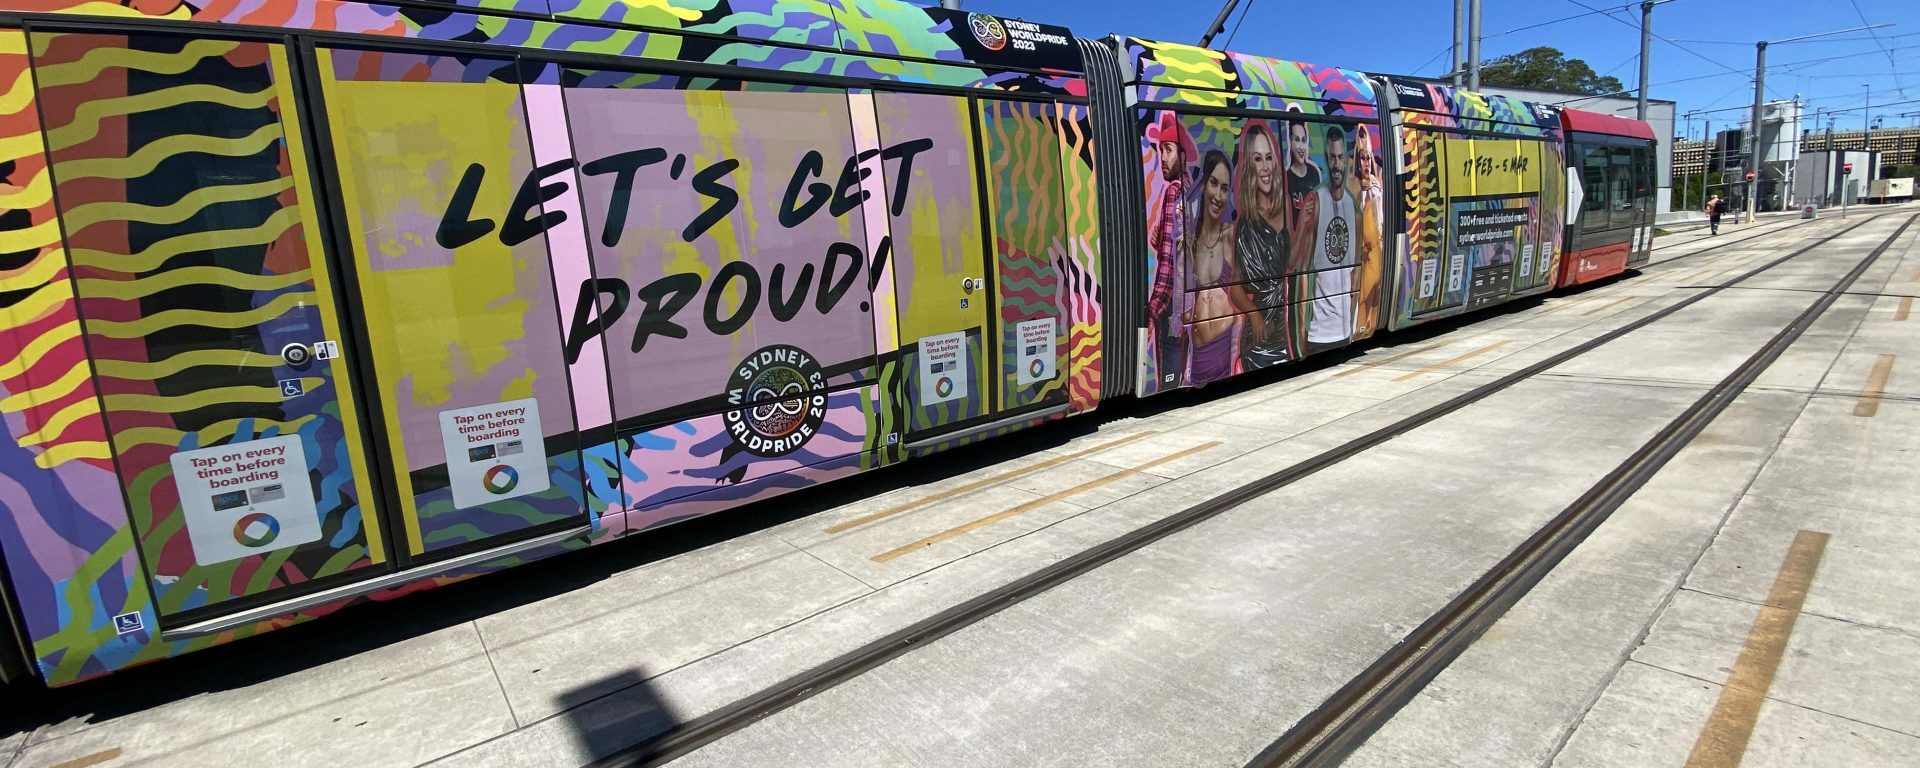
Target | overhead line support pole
(1753,130)
(1473,45)
(1454,62)
(1646,42)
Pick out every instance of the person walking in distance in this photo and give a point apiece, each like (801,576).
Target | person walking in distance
(1175,150)
(1716,208)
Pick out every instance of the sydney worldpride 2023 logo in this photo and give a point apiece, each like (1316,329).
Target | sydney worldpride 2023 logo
(784,394)
(988,30)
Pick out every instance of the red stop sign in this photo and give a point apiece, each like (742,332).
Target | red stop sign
(1749,175)
(1846,167)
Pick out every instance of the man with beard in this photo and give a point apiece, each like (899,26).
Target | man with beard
(1330,322)
(1166,239)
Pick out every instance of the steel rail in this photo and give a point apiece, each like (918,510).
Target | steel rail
(688,736)
(1348,717)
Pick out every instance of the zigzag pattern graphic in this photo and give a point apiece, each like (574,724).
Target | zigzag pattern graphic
(1028,207)
(1426,222)
(1080,270)
(190,258)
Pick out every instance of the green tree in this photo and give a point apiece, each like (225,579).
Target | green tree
(1546,68)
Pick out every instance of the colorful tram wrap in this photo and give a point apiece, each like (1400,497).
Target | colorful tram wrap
(308,302)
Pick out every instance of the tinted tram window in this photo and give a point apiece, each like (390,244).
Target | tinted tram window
(723,224)
(1596,206)
(182,183)
(1271,245)
(1621,173)
(447,204)
(1646,187)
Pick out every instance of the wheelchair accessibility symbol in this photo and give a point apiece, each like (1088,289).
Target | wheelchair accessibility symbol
(291,388)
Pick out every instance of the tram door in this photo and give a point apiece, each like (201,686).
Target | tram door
(210,312)
(458,289)
(1026,205)
(976,222)
(939,262)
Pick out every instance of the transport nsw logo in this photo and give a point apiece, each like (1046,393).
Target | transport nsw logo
(783,390)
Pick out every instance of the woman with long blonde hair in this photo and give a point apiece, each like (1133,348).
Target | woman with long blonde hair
(1260,247)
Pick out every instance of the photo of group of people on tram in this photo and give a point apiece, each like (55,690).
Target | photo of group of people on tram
(1266,241)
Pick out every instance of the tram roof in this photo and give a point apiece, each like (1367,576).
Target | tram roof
(1186,74)
(1598,122)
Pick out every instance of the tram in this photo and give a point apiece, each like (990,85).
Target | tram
(305,303)
(1610,163)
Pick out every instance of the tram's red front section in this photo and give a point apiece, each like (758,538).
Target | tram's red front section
(1610,188)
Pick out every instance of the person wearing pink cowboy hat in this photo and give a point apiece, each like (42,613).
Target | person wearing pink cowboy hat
(1175,150)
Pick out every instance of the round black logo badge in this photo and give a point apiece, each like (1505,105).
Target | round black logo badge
(1337,240)
(778,415)
(988,30)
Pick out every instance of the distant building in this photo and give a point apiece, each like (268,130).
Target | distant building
(1830,178)
(1897,146)
(1779,149)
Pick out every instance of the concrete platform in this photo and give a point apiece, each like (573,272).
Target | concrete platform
(1206,646)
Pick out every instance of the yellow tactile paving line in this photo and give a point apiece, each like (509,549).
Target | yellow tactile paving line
(1723,742)
(1396,358)
(1451,361)
(1603,307)
(982,483)
(90,760)
(1563,305)
(1869,403)
(1906,308)
(1036,504)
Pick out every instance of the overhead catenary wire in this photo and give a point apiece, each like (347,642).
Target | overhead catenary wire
(1784,67)
(1569,18)
(1244,10)
(1871,32)
(1657,36)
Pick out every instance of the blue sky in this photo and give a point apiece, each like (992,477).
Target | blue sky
(1710,69)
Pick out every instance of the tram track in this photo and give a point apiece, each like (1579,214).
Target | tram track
(1369,700)
(1771,230)
(693,734)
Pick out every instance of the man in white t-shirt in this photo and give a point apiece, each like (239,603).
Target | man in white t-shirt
(1336,247)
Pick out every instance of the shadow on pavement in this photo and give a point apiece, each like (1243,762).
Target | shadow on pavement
(617,712)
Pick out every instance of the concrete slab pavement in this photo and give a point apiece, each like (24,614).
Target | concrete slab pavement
(1282,599)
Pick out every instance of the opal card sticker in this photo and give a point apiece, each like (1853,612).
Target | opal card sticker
(246,498)
(494,452)
(943,367)
(1036,350)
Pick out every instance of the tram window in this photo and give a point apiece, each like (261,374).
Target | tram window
(747,244)
(1593,180)
(1620,183)
(1644,187)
